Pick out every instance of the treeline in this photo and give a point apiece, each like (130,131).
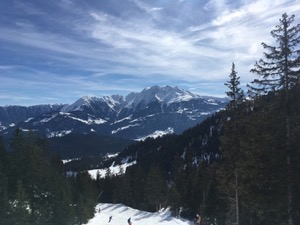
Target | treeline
(35,190)
(256,178)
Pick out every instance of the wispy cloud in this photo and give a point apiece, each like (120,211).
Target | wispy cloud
(112,46)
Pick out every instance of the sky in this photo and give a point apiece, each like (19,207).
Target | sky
(58,51)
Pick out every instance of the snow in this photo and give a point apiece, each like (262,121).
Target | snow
(28,120)
(89,121)
(99,121)
(121,120)
(124,128)
(114,169)
(120,214)
(46,120)
(69,160)
(59,133)
(157,134)
(166,95)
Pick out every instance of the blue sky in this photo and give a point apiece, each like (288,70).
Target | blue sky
(58,51)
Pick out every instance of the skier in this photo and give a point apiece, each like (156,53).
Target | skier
(198,219)
(110,218)
(129,222)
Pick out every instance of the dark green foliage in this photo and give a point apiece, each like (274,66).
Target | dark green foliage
(280,68)
(279,74)
(155,189)
(235,93)
(78,145)
(36,193)
(84,194)
(228,174)
(20,206)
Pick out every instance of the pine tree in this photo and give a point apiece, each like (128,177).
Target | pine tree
(20,206)
(279,72)
(3,196)
(262,168)
(235,93)
(230,142)
(174,201)
(3,183)
(155,188)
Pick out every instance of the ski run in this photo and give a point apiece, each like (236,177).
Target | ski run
(120,214)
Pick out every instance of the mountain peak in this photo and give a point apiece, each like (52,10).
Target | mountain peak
(166,95)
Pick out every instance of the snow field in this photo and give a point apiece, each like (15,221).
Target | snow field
(120,214)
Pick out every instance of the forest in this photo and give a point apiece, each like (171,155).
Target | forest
(251,177)
(35,190)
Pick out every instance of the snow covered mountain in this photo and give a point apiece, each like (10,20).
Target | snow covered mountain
(152,112)
(12,115)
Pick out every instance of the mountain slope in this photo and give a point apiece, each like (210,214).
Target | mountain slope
(120,214)
(201,140)
(12,115)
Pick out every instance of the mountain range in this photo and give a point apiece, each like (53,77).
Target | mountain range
(150,113)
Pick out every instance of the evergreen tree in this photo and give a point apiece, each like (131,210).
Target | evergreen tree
(174,201)
(20,206)
(235,93)
(36,193)
(136,177)
(262,168)
(3,184)
(155,189)
(3,196)
(85,189)
(280,72)
(228,173)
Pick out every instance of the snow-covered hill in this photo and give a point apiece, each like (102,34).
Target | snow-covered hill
(121,213)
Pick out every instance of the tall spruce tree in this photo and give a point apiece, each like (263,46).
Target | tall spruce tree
(279,72)
(228,173)
(235,92)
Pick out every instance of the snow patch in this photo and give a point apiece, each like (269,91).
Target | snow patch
(124,128)
(46,120)
(121,120)
(89,121)
(28,120)
(59,133)
(157,134)
(114,169)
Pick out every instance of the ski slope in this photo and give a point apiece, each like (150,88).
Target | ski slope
(120,214)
